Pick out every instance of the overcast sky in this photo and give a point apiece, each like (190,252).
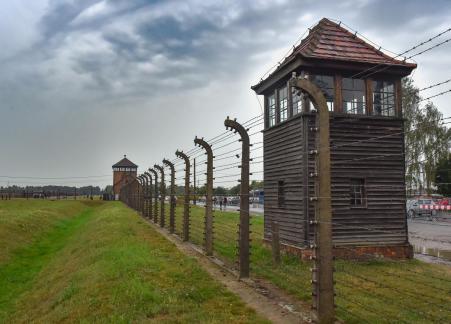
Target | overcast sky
(83,82)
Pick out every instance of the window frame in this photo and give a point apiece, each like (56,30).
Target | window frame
(271,117)
(363,102)
(331,107)
(362,192)
(282,98)
(392,94)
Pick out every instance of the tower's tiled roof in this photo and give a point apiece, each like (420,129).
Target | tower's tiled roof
(125,163)
(332,42)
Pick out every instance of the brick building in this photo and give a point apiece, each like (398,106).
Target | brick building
(124,172)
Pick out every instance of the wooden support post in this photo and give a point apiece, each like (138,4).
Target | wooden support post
(172,197)
(275,243)
(162,194)
(186,196)
(208,196)
(244,225)
(155,204)
(322,273)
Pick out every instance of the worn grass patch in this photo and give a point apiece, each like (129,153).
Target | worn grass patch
(116,268)
(19,273)
(375,292)
(23,221)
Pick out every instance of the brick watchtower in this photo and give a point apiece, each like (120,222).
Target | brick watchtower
(122,172)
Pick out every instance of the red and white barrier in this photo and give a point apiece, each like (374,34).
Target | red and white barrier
(435,207)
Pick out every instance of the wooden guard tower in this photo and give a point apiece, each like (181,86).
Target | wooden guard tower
(124,171)
(362,87)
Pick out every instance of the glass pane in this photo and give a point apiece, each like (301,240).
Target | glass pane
(297,103)
(383,98)
(283,104)
(354,96)
(271,110)
(326,84)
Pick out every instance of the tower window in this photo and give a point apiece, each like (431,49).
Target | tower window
(326,84)
(358,193)
(283,104)
(297,101)
(271,110)
(384,98)
(354,96)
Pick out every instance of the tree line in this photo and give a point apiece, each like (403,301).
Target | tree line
(427,144)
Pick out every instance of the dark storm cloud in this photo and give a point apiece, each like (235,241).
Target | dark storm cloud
(103,76)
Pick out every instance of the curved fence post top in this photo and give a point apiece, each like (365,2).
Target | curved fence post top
(159,168)
(319,100)
(148,174)
(182,155)
(200,142)
(169,164)
(237,127)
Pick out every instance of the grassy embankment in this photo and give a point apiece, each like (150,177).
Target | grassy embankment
(375,292)
(99,262)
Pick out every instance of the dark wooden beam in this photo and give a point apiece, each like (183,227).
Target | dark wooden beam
(338,101)
(369,96)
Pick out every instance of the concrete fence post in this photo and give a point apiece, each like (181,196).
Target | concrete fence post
(322,273)
(186,202)
(162,194)
(155,205)
(208,196)
(172,196)
(149,191)
(243,239)
(145,194)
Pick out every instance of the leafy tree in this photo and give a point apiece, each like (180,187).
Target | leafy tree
(426,138)
(220,191)
(443,176)
(433,139)
(235,190)
(256,185)
(411,113)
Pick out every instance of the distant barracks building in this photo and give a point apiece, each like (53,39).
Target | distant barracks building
(366,145)
(124,172)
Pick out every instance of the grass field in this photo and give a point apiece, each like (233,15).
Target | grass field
(374,292)
(90,261)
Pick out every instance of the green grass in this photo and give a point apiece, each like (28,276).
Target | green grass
(22,221)
(379,291)
(106,265)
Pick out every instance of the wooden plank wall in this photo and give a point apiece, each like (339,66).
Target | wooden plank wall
(283,152)
(369,148)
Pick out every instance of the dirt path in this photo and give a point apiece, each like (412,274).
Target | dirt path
(266,299)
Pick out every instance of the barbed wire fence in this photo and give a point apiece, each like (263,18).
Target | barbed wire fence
(219,231)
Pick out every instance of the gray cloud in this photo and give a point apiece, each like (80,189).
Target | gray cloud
(103,78)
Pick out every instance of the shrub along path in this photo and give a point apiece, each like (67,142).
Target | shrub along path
(105,264)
